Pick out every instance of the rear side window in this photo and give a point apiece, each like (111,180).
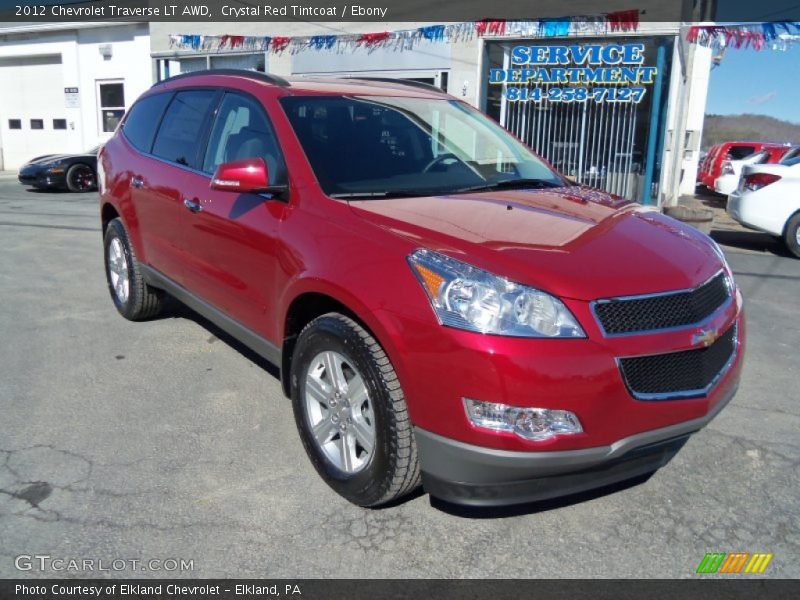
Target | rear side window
(141,124)
(180,135)
(740,152)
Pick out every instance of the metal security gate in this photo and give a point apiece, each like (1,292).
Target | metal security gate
(591,143)
(599,141)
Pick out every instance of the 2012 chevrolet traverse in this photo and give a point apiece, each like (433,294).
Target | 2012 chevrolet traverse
(445,309)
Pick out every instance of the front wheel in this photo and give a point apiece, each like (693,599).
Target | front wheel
(351,412)
(792,235)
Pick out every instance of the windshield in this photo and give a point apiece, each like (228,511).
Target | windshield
(379,146)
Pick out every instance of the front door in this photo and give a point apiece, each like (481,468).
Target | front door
(232,238)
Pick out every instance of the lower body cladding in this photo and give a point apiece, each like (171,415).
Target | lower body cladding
(477,476)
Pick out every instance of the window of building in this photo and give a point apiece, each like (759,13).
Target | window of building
(59,123)
(15,123)
(111,97)
(37,123)
(250,62)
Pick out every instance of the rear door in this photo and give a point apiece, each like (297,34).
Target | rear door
(160,192)
(232,237)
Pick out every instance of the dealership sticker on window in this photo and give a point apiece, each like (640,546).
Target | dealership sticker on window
(577,73)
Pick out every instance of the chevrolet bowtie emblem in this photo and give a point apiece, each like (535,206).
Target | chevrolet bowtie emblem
(704,337)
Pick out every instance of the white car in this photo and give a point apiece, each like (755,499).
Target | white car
(768,199)
(728,181)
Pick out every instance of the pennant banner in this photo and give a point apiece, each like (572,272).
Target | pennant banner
(779,35)
(407,39)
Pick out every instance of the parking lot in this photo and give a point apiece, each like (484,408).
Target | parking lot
(167,440)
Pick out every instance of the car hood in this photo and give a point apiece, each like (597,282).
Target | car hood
(573,242)
(48,158)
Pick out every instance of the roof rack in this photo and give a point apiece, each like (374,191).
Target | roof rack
(416,84)
(255,75)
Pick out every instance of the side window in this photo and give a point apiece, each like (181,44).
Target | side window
(141,123)
(181,130)
(242,130)
(740,152)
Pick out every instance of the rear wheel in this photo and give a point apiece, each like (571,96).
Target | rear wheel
(134,298)
(791,236)
(351,412)
(80,178)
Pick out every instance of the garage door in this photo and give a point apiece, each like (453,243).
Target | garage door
(32,109)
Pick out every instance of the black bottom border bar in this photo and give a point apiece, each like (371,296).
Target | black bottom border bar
(731,586)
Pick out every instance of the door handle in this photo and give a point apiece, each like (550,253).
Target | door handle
(192,205)
(137,181)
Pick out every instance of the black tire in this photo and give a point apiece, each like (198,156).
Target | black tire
(392,469)
(81,178)
(790,236)
(143,301)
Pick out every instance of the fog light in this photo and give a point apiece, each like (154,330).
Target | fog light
(529,423)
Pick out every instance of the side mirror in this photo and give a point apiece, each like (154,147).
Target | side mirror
(244,176)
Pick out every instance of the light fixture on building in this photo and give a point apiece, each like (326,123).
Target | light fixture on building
(105,51)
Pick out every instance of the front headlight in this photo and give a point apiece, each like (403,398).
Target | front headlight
(469,298)
(727,268)
(53,167)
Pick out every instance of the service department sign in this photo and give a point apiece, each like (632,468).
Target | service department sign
(576,73)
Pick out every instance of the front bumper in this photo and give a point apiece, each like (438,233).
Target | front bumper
(477,476)
(41,179)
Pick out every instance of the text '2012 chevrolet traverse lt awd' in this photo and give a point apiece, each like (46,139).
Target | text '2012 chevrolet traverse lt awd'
(445,309)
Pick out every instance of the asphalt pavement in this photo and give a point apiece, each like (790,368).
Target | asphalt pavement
(166,440)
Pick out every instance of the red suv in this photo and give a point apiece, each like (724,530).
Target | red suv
(714,163)
(444,308)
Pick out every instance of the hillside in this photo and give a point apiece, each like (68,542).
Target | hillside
(723,128)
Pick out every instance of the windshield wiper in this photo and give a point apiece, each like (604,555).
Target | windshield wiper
(386,194)
(508,184)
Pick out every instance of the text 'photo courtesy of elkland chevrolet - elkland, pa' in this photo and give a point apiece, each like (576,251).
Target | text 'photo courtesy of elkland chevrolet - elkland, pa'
(374,300)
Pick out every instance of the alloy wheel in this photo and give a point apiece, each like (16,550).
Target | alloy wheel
(339,411)
(118,270)
(82,178)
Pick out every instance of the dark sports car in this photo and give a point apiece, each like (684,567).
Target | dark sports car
(73,172)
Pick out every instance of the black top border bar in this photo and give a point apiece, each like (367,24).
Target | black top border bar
(31,12)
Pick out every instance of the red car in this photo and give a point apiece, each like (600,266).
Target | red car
(714,162)
(445,308)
